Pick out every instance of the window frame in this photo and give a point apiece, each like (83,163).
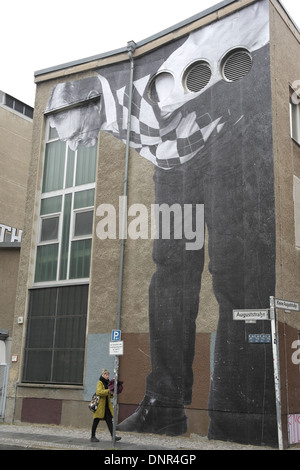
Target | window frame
(63,193)
(36,366)
(81,211)
(45,217)
(294,110)
(295,122)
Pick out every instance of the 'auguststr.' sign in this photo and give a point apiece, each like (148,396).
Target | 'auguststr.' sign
(252,315)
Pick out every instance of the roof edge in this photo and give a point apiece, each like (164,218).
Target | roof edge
(141,43)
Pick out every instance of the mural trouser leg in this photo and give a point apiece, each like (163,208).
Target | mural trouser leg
(242,264)
(173,308)
(236,186)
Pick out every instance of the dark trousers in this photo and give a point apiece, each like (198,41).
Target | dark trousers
(107,419)
(235,183)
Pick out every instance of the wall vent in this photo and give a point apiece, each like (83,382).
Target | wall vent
(236,64)
(197,76)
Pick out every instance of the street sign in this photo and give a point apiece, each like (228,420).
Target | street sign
(287,305)
(116,348)
(116,335)
(259,339)
(250,315)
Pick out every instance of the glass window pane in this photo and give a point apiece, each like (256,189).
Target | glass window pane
(84,199)
(68,367)
(43,302)
(73,301)
(86,165)
(54,166)
(65,237)
(51,205)
(9,101)
(49,229)
(28,111)
(37,366)
(70,168)
(295,124)
(80,259)
(19,106)
(40,332)
(53,133)
(83,223)
(46,263)
(70,332)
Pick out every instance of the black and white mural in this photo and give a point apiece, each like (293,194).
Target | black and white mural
(201,113)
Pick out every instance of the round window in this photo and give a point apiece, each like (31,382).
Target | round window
(236,64)
(160,87)
(197,76)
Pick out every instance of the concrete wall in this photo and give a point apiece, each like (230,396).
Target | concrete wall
(15,138)
(285,71)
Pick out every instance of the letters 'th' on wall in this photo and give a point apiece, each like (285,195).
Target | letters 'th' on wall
(10,234)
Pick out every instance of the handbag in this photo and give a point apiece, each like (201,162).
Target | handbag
(93,405)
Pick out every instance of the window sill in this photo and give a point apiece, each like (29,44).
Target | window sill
(52,386)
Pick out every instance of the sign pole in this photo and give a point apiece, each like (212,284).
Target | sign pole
(115,349)
(275,350)
(115,404)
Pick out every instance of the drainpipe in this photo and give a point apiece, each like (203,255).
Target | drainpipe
(131,46)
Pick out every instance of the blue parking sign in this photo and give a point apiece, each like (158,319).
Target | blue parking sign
(116,335)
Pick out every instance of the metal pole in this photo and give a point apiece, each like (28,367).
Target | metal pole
(275,350)
(131,46)
(115,399)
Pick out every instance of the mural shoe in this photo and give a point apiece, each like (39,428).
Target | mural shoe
(94,439)
(155,417)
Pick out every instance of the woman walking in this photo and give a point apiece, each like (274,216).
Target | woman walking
(105,408)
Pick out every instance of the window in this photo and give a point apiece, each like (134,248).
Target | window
(236,64)
(295,121)
(297,211)
(83,223)
(161,87)
(55,341)
(197,76)
(66,213)
(49,229)
(17,105)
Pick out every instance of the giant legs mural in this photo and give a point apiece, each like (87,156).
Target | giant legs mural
(201,113)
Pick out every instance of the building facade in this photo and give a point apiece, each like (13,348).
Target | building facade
(163,199)
(15,137)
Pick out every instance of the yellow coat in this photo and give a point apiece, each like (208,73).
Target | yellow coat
(105,395)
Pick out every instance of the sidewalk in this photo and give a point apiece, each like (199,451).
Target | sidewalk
(31,436)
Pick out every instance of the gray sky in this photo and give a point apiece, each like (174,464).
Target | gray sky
(35,35)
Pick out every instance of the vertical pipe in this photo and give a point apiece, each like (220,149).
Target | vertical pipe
(131,46)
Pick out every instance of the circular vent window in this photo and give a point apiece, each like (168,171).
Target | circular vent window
(197,76)
(236,64)
(160,87)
